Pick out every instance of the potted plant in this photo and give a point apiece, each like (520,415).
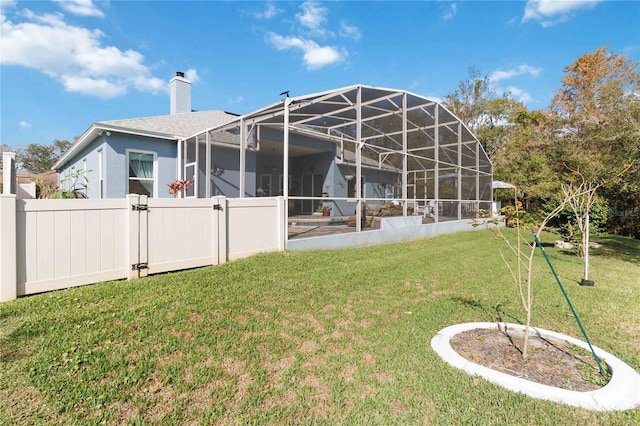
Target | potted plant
(178,186)
(324,210)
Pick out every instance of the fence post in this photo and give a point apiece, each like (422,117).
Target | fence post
(8,255)
(221,232)
(283,228)
(133,236)
(9,178)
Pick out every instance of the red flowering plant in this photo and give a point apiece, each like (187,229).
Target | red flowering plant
(178,185)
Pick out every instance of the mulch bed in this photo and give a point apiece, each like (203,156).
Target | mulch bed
(549,361)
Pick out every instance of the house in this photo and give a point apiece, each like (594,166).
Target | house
(392,151)
(136,155)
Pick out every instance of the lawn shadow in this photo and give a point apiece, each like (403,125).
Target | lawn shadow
(614,246)
(493,313)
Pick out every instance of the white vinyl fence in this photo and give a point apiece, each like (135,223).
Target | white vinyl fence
(65,243)
(53,244)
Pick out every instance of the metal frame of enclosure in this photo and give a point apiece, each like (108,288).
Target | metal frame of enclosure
(404,149)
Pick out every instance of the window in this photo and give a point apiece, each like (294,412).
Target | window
(141,172)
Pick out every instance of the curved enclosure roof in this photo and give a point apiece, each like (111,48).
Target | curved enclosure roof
(407,150)
(385,117)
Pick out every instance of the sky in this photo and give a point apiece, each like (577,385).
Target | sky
(67,64)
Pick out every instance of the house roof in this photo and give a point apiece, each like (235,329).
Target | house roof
(167,127)
(177,125)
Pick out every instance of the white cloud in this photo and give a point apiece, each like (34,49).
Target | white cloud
(192,75)
(551,12)
(523,69)
(519,94)
(80,7)
(451,12)
(99,87)
(315,56)
(350,31)
(24,124)
(7,4)
(313,16)
(237,100)
(75,56)
(269,12)
(309,25)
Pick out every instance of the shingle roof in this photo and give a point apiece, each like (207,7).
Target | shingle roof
(178,125)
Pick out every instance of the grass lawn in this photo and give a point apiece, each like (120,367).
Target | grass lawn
(335,337)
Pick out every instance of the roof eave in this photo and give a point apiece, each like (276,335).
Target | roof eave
(95,130)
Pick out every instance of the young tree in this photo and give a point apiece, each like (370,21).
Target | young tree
(522,253)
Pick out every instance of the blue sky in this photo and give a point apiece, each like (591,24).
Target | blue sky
(67,64)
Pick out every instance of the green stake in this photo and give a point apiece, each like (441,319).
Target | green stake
(564,293)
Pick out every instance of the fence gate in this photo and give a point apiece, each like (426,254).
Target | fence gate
(140,241)
(175,234)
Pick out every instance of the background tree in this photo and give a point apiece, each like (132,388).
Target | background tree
(489,117)
(596,119)
(496,125)
(591,125)
(468,102)
(4,147)
(524,159)
(38,158)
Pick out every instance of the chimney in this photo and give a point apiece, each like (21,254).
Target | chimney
(180,94)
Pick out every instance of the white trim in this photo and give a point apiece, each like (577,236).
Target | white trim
(94,131)
(100,172)
(155,169)
(84,177)
(193,179)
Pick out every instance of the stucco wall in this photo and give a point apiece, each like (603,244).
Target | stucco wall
(114,167)
(88,156)
(227,181)
(393,230)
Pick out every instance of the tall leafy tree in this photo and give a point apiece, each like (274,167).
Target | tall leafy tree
(475,103)
(596,118)
(38,158)
(468,101)
(498,122)
(4,147)
(524,158)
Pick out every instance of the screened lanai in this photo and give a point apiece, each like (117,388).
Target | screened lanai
(349,155)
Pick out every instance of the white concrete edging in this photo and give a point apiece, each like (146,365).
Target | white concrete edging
(621,393)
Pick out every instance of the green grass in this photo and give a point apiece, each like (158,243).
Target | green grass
(332,337)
